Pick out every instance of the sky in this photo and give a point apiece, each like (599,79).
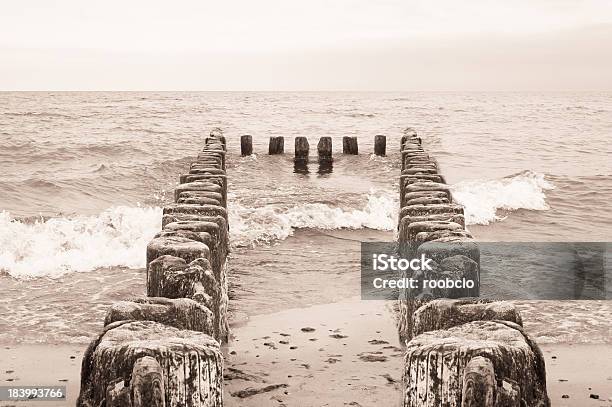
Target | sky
(392,45)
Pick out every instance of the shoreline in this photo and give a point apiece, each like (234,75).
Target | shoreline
(352,355)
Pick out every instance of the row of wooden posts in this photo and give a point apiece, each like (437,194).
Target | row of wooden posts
(324,147)
(164,350)
(461,350)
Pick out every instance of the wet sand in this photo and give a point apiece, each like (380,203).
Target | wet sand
(579,372)
(42,365)
(340,354)
(351,358)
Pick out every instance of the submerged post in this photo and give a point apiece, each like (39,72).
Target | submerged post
(349,145)
(380,145)
(325,149)
(302,149)
(277,145)
(246,145)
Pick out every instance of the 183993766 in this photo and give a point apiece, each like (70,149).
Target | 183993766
(32,393)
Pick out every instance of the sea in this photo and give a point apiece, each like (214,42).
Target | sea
(84,176)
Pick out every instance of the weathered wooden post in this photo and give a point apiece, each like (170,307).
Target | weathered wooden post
(217,134)
(277,145)
(409,134)
(246,145)
(349,145)
(147,384)
(380,145)
(439,363)
(478,383)
(302,149)
(325,149)
(193,365)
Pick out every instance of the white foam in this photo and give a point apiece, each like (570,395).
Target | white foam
(116,237)
(484,198)
(268,223)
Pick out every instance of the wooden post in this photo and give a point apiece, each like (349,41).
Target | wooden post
(349,145)
(478,383)
(277,145)
(380,145)
(147,383)
(192,366)
(302,149)
(325,149)
(440,363)
(246,145)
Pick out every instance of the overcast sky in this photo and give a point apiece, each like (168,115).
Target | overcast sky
(306,45)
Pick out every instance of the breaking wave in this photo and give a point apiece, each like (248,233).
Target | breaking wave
(118,236)
(483,200)
(269,223)
(56,246)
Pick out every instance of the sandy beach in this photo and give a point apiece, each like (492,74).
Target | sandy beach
(301,340)
(347,351)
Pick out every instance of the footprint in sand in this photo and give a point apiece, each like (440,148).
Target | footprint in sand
(338,336)
(270,345)
(372,357)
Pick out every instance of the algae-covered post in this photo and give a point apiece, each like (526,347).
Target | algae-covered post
(349,145)
(277,145)
(380,145)
(246,145)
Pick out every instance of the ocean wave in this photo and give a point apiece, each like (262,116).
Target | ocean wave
(484,199)
(368,115)
(268,223)
(56,246)
(117,237)
(139,129)
(38,114)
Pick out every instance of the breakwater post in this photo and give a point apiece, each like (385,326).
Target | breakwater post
(380,145)
(246,145)
(302,149)
(349,145)
(324,149)
(276,146)
(460,350)
(164,349)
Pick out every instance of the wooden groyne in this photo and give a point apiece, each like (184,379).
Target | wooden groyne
(350,146)
(164,349)
(461,350)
